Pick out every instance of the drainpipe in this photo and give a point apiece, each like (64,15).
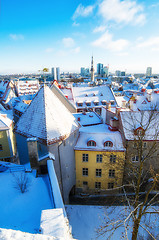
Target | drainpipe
(60,169)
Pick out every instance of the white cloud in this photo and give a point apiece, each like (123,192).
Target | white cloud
(16,36)
(152,43)
(125,11)
(75,24)
(82,11)
(99,29)
(76,50)
(106,42)
(68,42)
(49,50)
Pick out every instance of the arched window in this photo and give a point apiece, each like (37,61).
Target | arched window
(108,144)
(91,143)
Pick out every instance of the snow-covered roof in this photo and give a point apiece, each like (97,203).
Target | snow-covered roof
(133,120)
(87,118)
(60,94)
(46,118)
(5,122)
(121,100)
(27,86)
(97,93)
(146,102)
(100,134)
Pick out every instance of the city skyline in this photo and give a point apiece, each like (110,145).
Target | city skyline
(38,34)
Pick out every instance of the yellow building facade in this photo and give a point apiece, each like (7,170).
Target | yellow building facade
(7,140)
(99,170)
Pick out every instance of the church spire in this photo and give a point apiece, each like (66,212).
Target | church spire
(92,71)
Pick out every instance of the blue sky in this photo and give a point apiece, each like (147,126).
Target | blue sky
(37,34)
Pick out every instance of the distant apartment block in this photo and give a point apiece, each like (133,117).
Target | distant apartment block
(149,71)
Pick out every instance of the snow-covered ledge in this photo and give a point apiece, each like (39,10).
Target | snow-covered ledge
(55,187)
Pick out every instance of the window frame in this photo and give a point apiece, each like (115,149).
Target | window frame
(91,143)
(112,158)
(110,185)
(98,172)
(85,157)
(135,158)
(99,158)
(85,170)
(98,185)
(109,145)
(112,173)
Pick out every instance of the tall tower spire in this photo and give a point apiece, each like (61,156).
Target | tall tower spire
(92,71)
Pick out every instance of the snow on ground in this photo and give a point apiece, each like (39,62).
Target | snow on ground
(85,220)
(8,234)
(23,211)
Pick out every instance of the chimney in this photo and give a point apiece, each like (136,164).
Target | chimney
(33,152)
(114,124)
(108,106)
(149,97)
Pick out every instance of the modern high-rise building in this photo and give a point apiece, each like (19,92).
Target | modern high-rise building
(55,73)
(82,71)
(99,68)
(58,74)
(105,71)
(118,73)
(149,71)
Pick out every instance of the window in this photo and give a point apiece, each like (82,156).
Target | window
(103,102)
(135,145)
(111,173)
(112,158)
(96,103)
(99,158)
(85,171)
(135,159)
(110,185)
(85,183)
(85,157)
(88,103)
(80,104)
(108,144)
(98,185)
(1,148)
(91,143)
(98,172)
(144,145)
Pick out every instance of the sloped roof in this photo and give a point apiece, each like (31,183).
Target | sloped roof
(100,134)
(63,99)
(148,120)
(46,118)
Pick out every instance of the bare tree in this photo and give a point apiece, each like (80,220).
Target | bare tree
(22,182)
(141,176)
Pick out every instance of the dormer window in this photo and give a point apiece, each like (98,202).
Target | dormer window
(91,143)
(96,102)
(86,95)
(108,144)
(88,103)
(112,102)
(139,131)
(101,94)
(103,102)
(80,104)
(93,94)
